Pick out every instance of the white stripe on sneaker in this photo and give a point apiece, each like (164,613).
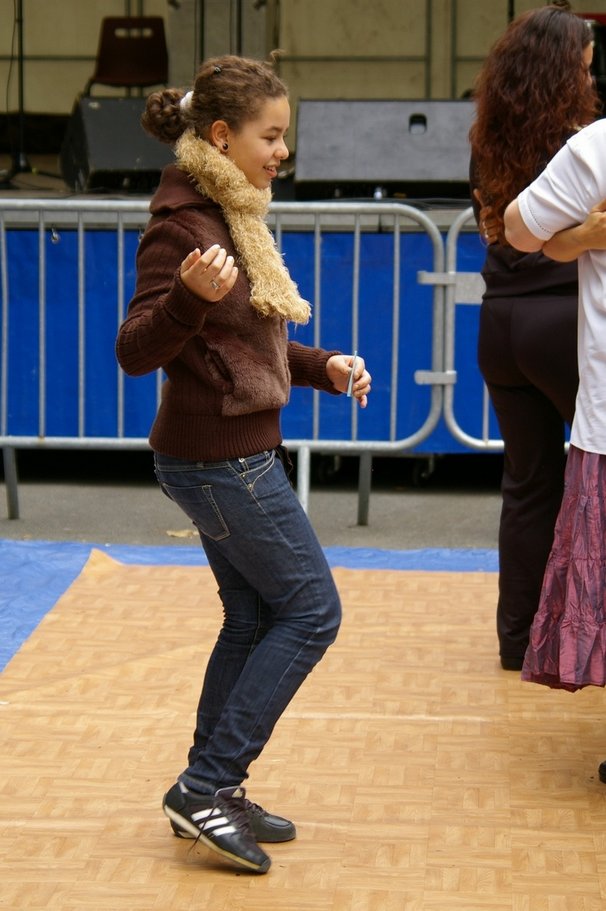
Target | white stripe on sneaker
(224,830)
(203,814)
(213,820)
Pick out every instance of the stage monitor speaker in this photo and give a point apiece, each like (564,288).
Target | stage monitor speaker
(106,148)
(404,147)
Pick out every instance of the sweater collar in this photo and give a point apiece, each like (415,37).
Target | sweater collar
(273,292)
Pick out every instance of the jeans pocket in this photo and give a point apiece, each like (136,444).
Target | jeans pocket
(198,503)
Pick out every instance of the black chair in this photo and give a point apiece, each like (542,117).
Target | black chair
(132,53)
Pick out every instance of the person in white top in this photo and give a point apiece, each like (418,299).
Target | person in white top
(563,212)
(570,186)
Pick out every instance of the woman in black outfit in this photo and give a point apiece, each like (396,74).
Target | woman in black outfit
(526,109)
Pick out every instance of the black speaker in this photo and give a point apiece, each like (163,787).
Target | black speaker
(379,148)
(106,148)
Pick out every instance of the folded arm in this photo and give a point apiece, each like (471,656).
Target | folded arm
(572,242)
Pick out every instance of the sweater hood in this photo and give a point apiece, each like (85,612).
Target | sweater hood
(176,190)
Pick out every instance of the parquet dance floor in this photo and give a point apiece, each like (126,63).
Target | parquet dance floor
(420,775)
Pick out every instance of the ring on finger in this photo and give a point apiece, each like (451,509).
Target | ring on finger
(215,285)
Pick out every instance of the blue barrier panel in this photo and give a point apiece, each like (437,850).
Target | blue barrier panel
(375,331)
(376,336)
(78,349)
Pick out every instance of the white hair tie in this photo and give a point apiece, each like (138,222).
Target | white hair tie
(185,102)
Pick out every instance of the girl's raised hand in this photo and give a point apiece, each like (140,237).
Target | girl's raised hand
(209,275)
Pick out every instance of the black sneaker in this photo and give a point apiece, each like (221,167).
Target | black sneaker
(219,821)
(265,826)
(602,772)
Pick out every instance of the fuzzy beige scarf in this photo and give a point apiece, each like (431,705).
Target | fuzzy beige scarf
(273,292)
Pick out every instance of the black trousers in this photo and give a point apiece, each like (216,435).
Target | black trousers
(527,352)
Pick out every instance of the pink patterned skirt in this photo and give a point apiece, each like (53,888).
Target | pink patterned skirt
(567,647)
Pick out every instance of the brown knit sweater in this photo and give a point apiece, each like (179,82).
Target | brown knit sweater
(228,370)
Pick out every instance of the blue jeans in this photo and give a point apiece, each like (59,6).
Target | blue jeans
(281,606)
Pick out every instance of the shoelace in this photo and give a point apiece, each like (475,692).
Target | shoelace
(236,811)
(254,808)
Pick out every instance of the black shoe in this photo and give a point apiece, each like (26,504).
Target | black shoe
(220,821)
(602,771)
(265,826)
(511,664)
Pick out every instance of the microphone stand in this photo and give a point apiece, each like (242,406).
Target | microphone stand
(20,163)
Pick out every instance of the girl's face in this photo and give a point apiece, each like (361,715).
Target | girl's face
(258,147)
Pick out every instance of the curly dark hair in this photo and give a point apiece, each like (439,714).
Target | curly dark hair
(532,94)
(228,88)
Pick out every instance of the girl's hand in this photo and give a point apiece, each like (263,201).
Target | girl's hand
(338,371)
(210,275)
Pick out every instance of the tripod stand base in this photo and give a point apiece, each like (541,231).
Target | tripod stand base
(20,165)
